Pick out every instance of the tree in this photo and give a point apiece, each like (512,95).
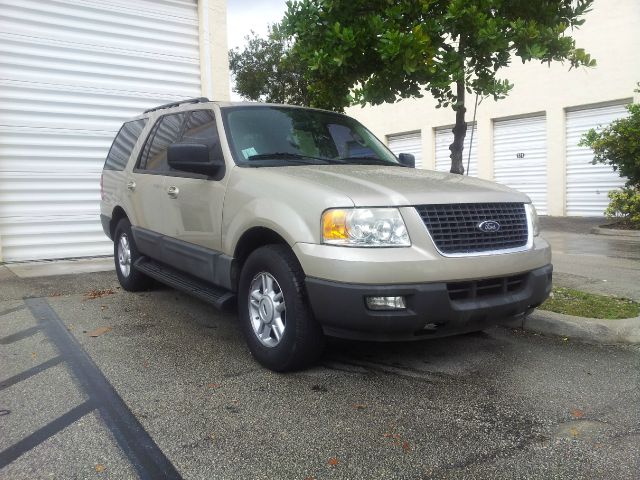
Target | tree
(618,145)
(376,51)
(267,70)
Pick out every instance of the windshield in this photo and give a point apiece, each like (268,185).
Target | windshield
(279,136)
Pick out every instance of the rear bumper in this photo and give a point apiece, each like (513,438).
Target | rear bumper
(430,312)
(106,225)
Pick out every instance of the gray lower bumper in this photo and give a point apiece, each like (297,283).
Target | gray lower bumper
(342,311)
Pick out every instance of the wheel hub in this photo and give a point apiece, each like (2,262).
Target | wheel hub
(266,309)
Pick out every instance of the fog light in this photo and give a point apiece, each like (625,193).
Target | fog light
(386,303)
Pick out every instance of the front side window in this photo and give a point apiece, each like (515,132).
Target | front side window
(165,132)
(274,136)
(123,144)
(201,128)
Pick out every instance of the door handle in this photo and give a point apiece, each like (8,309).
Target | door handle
(173,191)
(131,185)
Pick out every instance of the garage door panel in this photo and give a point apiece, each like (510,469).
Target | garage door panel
(49,194)
(100,25)
(520,157)
(39,150)
(106,71)
(49,237)
(88,54)
(66,99)
(72,72)
(588,185)
(407,143)
(116,17)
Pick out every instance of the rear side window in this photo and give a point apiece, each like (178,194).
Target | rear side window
(123,144)
(165,132)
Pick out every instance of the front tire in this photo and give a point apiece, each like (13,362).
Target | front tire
(125,254)
(275,317)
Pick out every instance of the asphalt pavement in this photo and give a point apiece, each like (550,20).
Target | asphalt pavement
(165,388)
(593,263)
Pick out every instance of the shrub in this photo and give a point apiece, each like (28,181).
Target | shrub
(618,145)
(625,206)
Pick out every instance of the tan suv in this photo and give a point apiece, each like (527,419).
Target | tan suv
(315,228)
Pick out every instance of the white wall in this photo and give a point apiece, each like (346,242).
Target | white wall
(214,59)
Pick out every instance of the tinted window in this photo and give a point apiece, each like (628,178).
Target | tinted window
(123,144)
(200,127)
(165,132)
(348,142)
(272,136)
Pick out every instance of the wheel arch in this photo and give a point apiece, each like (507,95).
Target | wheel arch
(117,215)
(250,241)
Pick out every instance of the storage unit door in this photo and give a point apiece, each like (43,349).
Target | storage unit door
(587,184)
(407,143)
(444,138)
(71,71)
(520,157)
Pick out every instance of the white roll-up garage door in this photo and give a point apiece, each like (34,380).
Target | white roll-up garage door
(588,185)
(520,157)
(444,138)
(407,143)
(70,72)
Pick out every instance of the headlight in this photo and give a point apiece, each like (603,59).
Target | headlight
(364,227)
(533,217)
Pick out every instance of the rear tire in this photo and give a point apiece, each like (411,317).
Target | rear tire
(274,313)
(125,254)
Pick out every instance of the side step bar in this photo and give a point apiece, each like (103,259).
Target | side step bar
(218,297)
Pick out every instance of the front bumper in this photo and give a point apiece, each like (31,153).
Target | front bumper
(431,311)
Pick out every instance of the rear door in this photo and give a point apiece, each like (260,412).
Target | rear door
(145,185)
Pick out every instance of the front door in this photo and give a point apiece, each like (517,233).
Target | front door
(194,202)
(193,206)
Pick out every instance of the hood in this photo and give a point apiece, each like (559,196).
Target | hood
(373,185)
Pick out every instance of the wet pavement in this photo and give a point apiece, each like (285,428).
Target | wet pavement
(165,388)
(593,263)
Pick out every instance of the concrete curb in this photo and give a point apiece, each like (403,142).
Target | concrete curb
(590,330)
(614,232)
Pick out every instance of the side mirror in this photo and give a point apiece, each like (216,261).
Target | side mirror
(192,157)
(407,159)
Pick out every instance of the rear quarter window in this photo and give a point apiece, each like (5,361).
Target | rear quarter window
(123,144)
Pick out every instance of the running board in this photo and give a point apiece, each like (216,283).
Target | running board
(218,297)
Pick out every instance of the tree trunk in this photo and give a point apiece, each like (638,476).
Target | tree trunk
(459,131)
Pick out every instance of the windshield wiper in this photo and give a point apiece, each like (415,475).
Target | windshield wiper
(282,155)
(366,160)
(298,157)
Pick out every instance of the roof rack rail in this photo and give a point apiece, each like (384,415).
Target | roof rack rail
(180,102)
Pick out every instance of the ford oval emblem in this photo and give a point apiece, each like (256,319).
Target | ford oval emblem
(488,226)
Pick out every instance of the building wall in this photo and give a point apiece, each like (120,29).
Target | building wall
(610,34)
(214,58)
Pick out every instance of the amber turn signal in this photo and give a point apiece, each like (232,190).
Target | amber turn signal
(334,225)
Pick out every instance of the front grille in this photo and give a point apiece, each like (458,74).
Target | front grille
(485,288)
(455,227)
